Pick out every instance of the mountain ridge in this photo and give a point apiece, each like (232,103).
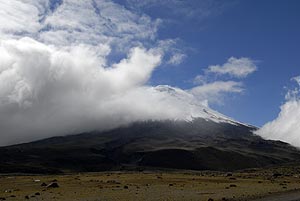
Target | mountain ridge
(200,144)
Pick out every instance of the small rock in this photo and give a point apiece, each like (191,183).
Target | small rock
(125,187)
(53,185)
(1,198)
(37,193)
(113,182)
(210,199)
(277,175)
(27,197)
(232,185)
(43,184)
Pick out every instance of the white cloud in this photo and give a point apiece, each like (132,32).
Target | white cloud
(174,55)
(236,67)
(296,79)
(18,17)
(176,59)
(48,91)
(286,126)
(214,91)
(212,88)
(56,77)
(76,22)
(195,9)
(94,22)
(200,79)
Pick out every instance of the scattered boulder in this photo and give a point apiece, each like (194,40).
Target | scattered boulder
(1,198)
(43,184)
(27,197)
(37,193)
(125,187)
(232,185)
(210,199)
(53,185)
(277,175)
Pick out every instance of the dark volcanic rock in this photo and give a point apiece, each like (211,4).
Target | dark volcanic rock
(43,184)
(198,145)
(53,185)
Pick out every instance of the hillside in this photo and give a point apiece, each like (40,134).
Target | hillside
(199,144)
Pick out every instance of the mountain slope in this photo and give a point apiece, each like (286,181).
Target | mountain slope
(200,144)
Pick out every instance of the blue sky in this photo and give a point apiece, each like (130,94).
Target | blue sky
(266,31)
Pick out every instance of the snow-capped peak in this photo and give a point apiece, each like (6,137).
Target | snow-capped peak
(194,108)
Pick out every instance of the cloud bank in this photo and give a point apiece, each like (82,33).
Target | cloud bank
(73,66)
(286,126)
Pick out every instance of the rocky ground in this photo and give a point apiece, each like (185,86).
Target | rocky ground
(159,185)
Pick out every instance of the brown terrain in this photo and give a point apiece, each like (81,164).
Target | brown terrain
(170,160)
(251,184)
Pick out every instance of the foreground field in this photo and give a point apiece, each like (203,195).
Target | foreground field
(198,186)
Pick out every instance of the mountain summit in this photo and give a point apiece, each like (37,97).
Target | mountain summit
(194,107)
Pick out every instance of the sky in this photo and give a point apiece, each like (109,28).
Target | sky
(265,31)
(69,66)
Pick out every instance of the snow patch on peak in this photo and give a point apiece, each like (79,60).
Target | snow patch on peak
(194,108)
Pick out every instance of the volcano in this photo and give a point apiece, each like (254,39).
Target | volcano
(206,141)
(199,144)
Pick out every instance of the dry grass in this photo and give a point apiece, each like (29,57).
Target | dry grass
(147,186)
